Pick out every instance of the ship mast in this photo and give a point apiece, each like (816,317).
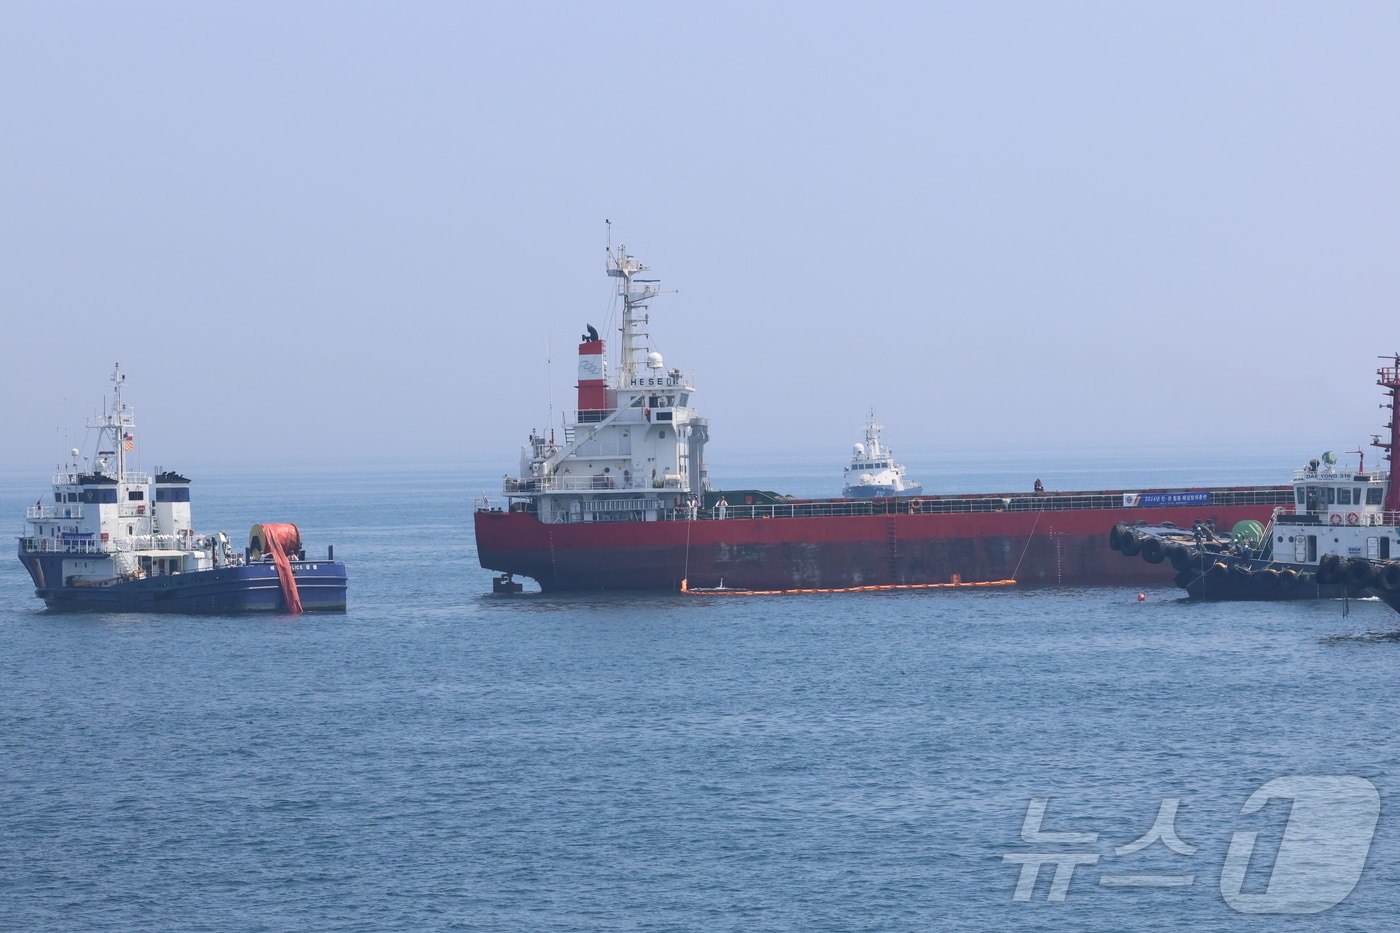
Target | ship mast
(119,417)
(113,425)
(635,294)
(1389,377)
(872,437)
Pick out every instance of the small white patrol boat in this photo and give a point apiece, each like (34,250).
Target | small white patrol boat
(873,473)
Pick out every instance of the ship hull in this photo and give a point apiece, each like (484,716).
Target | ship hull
(901,547)
(321,586)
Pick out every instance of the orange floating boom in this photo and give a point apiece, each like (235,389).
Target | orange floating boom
(847,589)
(279,541)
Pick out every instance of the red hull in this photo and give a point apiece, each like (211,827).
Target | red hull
(1033,547)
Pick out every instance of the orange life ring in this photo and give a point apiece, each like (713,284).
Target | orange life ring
(1336,519)
(1353,518)
(916,506)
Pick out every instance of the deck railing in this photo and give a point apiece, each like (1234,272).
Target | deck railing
(1290,513)
(40,545)
(558,483)
(943,505)
(927,505)
(71,511)
(91,545)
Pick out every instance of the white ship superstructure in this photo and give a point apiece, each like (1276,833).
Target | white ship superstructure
(113,539)
(108,519)
(873,472)
(634,447)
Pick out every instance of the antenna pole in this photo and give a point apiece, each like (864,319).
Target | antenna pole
(116,429)
(1388,377)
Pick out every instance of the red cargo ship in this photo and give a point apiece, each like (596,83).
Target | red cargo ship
(623,501)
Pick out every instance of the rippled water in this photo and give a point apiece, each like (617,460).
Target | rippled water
(439,758)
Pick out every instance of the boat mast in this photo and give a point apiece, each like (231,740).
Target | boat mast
(1389,377)
(635,294)
(872,437)
(113,424)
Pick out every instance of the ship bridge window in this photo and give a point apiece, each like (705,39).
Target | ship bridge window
(173,494)
(136,495)
(1321,496)
(58,497)
(1375,495)
(100,496)
(636,402)
(1302,496)
(72,497)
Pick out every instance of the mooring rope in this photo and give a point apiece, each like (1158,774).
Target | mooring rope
(1028,544)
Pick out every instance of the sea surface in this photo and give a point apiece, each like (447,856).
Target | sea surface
(439,758)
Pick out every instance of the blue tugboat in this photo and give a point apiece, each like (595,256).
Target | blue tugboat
(112,540)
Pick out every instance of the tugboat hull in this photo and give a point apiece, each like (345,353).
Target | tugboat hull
(251,588)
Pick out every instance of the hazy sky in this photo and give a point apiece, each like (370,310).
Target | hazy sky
(337,232)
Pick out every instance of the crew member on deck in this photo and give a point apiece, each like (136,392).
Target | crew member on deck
(1039,486)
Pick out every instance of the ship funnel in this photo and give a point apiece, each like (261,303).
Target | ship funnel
(592,375)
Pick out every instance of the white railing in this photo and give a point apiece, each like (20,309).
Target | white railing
(52,513)
(594,448)
(1342,515)
(70,478)
(92,545)
(594,483)
(148,543)
(60,545)
(622,505)
(1340,476)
